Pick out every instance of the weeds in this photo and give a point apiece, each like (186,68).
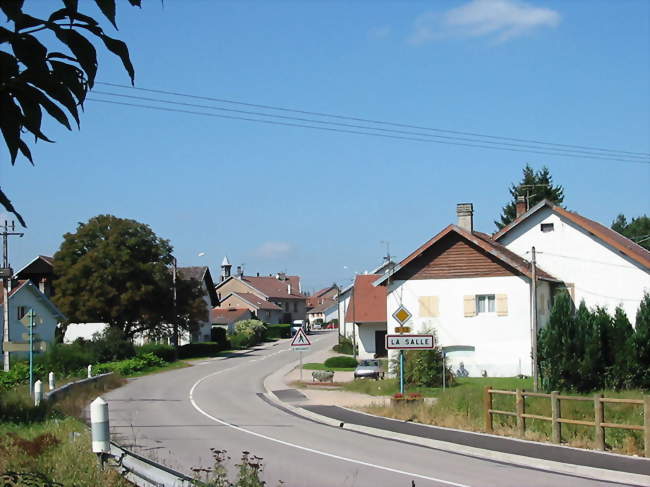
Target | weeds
(249,471)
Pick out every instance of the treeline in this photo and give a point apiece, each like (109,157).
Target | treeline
(588,349)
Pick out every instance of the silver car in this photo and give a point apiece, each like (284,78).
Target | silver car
(370,369)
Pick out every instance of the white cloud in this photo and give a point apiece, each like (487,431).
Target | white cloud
(499,19)
(271,250)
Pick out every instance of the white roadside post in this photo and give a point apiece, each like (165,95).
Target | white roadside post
(90,371)
(50,380)
(38,392)
(100,429)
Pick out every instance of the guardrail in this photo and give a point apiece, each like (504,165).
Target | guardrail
(144,472)
(599,424)
(60,391)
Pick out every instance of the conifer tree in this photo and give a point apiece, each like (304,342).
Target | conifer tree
(640,345)
(555,339)
(619,350)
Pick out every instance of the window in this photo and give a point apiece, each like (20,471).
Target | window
(295,306)
(485,303)
(286,306)
(546,227)
(22,311)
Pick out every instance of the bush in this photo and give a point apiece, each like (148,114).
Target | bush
(129,366)
(254,329)
(160,350)
(199,349)
(219,335)
(17,407)
(110,346)
(18,374)
(344,346)
(340,361)
(240,341)
(63,359)
(278,331)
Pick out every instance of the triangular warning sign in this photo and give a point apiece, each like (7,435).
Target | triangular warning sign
(300,339)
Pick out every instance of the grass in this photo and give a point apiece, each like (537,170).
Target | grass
(179,364)
(461,406)
(386,387)
(320,366)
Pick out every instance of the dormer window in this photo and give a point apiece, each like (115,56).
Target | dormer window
(546,227)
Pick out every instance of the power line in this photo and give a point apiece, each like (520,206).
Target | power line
(356,132)
(365,127)
(379,122)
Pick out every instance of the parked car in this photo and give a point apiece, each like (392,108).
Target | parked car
(370,369)
(297,324)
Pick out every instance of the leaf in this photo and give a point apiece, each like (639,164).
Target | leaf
(122,51)
(54,88)
(51,108)
(72,6)
(108,9)
(32,114)
(25,150)
(64,13)
(30,51)
(8,65)
(72,77)
(135,3)
(26,21)
(10,124)
(12,8)
(10,208)
(5,35)
(60,55)
(83,50)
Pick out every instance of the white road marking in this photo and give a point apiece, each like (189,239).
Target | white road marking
(299,447)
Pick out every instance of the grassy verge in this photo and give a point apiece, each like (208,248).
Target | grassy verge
(179,364)
(386,387)
(320,366)
(461,406)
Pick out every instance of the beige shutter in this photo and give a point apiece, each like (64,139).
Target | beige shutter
(541,305)
(428,306)
(469,305)
(502,304)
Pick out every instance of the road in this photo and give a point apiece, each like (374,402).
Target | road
(177,416)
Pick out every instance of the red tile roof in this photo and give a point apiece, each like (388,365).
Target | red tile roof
(321,308)
(624,245)
(256,301)
(276,288)
(228,315)
(321,296)
(368,302)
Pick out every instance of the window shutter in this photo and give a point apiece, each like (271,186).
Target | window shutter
(541,304)
(502,304)
(428,306)
(469,307)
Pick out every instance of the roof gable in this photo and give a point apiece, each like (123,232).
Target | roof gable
(606,235)
(201,274)
(41,264)
(368,302)
(28,286)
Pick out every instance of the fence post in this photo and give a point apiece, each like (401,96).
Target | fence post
(599,418)
(556,431)
(487,405)
(646,425)
(520,408)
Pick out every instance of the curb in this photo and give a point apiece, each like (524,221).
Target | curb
(519,460)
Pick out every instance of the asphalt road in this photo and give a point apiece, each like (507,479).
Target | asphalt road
(176,417)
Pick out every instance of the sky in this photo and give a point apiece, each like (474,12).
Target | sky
(322,204)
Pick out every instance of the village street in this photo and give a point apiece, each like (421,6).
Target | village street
(177,416)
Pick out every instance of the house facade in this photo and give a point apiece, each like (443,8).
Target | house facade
(595,263)
(41,272)
(227,317)
(470,290)
(202,275)
(23,297)
(367,315)
(322,306)
(260,308)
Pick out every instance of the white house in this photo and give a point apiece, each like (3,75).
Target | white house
(472,291)
(367,316)
(23,297)
(597,264)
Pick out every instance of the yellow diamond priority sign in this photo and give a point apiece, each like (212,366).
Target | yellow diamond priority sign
(402,315)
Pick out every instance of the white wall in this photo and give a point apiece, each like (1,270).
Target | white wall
(503,343)
(366,339)
(601,275)
(344,328)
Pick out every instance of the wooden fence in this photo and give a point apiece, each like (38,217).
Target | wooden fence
(599,424)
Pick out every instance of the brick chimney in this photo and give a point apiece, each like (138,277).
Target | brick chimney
(521,205)
(465,213)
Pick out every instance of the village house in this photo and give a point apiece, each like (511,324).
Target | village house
(227,317)
(470,290)
(322,306)
(367,315)
(41,272)
(23,297)
(274,299)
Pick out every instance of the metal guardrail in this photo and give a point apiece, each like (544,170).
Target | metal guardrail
(60,391)
(146,473)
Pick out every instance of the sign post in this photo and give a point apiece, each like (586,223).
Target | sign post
(300,343)
(30,320)
(401,315)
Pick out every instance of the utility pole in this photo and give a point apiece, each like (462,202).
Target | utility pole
(175,316)
(354,322)
(6,273)
(533,318)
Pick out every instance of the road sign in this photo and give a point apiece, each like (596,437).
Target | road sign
(402,315)
(300,342)
(409,342)
(402,329)
(23,347)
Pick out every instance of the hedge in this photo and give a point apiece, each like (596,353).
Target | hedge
(160,350)
(278,331)
(200,349)
(340,361)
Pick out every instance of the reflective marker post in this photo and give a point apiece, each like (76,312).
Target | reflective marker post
(401,371)
(100,430)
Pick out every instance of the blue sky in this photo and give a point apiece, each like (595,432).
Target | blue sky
(318,204)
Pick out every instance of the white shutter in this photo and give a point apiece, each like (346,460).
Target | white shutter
(428,306)
(502,304)
(469,305)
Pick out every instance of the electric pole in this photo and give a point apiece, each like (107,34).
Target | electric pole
(6,272)
(533,318)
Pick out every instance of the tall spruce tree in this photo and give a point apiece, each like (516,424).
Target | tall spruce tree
(535,186)
(638,230)
(554,356)
(619,350)
(640,345)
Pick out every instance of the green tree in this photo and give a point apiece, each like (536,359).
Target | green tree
(557,346)
(640,346)
(536,186)
(638,230)
(116,271)
(36,79)
(619,350)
